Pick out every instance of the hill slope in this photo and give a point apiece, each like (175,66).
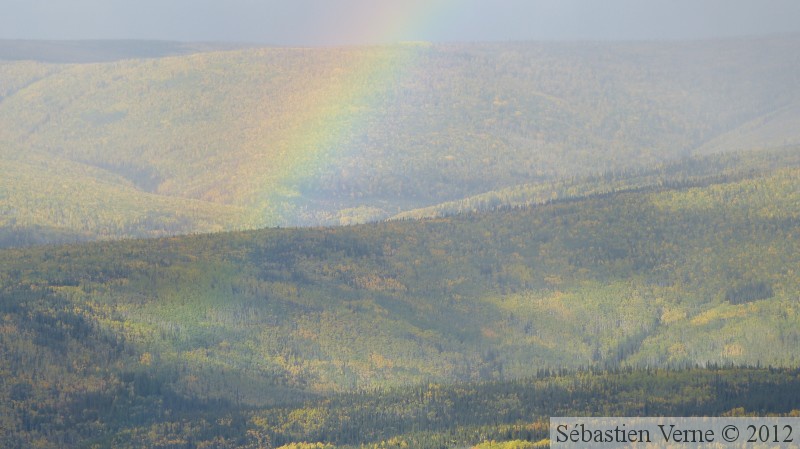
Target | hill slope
(686,171)
(659,276)
(345,135)
(220,338)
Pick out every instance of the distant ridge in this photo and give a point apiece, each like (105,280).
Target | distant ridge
(87,51)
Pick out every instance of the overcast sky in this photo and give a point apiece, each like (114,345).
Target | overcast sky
(336,22)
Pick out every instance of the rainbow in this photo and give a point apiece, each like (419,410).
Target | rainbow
(323,123)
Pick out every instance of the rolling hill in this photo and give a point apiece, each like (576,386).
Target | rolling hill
(668,274)
(573,228)
(160,340)
(252,137)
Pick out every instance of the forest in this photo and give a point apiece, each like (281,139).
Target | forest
(664,291)
(126,139)
(417,245)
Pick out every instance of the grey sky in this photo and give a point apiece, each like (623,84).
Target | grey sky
(334,22)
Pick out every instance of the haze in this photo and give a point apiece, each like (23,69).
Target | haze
(325,22)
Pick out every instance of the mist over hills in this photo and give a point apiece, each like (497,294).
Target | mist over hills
(254,137)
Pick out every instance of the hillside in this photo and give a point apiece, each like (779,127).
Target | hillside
(657,276)
(238,139)
(488,415)
(685,171)
(154,340)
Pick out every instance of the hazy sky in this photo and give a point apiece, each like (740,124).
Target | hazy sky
(334,22)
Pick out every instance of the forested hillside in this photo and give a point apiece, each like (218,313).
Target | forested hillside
(531,230)
(238,139)
(333,336)
(684,172)
(140,411)
(680,272)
